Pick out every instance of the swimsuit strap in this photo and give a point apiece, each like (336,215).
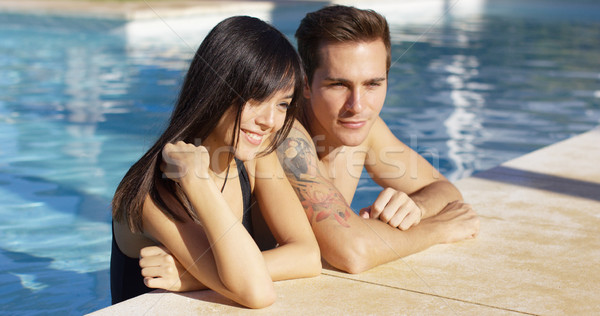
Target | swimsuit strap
(246,195)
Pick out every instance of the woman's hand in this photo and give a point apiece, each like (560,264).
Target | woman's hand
(162,271)
(216,249)
(185,162)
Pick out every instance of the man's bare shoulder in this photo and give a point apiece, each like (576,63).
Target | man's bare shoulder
(321,200)
(297,153)
(380,136)
(298,131)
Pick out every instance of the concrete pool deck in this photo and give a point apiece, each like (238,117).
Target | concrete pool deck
(538,253)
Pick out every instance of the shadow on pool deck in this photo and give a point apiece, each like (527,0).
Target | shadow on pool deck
(537,180)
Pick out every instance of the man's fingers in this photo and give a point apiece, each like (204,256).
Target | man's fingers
(397,206)
(365,212)
(381,202)
(405,214)
(396,220)
(410,220)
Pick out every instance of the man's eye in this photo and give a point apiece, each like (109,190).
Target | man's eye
(336,84)
(374,84)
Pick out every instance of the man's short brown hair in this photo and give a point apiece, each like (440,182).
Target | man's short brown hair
(338,24)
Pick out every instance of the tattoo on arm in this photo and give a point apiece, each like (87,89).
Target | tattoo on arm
(320,199)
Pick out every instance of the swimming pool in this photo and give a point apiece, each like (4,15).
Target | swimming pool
(81,99)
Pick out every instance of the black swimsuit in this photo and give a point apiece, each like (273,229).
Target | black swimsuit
(126,280)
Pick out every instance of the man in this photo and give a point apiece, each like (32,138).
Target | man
(347,56)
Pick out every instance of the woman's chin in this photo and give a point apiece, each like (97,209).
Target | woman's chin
(246,151)
(245,155)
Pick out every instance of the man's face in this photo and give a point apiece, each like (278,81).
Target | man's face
(347,91)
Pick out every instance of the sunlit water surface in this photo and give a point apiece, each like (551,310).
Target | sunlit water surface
(80,101)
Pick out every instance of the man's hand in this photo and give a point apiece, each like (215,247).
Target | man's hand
(457,221)
(394,208)
(161,271)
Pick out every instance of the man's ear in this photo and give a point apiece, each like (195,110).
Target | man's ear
(306,88)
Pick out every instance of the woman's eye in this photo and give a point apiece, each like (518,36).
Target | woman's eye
(284,105)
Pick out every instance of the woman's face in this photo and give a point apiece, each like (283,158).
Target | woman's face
(258,124)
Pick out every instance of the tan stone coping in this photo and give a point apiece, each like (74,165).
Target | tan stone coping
(538,253)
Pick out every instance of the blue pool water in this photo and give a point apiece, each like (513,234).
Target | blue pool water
(81,99)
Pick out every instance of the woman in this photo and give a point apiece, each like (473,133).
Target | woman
(237,102)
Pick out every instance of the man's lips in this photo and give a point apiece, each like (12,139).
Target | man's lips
(353,124)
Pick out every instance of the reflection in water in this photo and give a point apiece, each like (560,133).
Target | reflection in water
(466,102)
(83,106)
(455,83)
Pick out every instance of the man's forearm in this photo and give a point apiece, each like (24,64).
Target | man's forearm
(367,243)
(432,198)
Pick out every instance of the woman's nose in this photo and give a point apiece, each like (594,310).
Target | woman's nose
(266,116)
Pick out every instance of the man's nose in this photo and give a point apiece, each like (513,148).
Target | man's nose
(354,101)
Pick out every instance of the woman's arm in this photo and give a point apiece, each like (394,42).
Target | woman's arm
(219,253)
(297,254)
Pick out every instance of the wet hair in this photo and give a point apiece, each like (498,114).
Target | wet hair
(339,24)
(242,59)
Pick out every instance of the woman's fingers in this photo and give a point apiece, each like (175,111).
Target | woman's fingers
(153,251)
(162,283)
(181,160)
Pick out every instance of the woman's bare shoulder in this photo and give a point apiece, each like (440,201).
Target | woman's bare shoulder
(130,243)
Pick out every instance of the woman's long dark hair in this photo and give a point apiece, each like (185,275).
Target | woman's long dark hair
(241,59)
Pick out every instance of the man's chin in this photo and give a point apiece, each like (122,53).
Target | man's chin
(352,140)
(352,137)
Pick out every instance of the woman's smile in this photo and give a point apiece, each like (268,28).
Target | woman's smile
(252,137)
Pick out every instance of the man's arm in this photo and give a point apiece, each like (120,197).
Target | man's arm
(347,241)
(392,164)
